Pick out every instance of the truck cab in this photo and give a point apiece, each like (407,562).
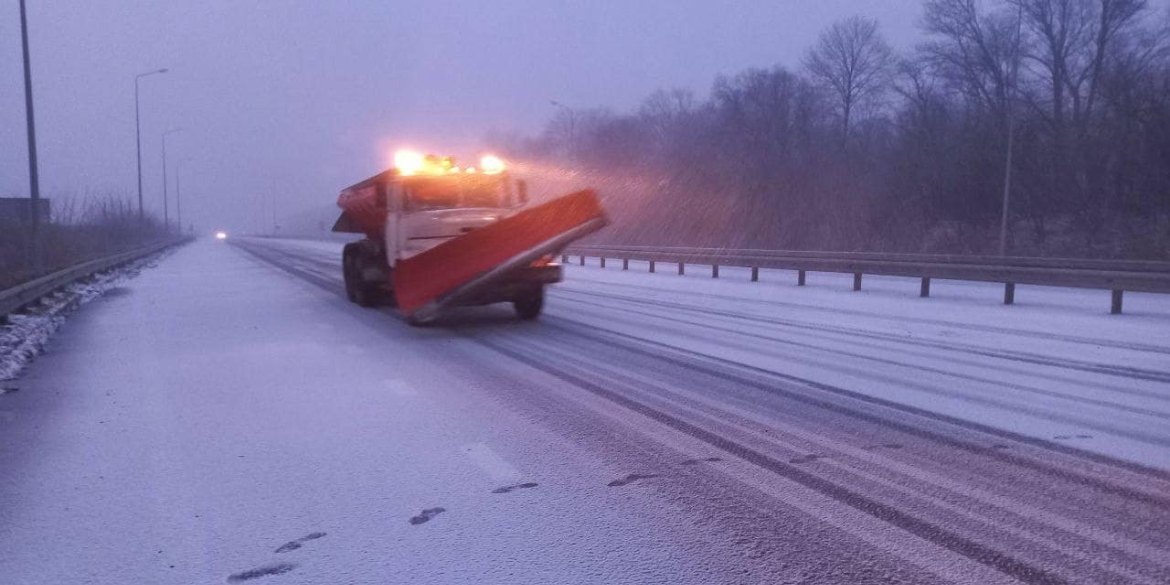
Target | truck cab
(421,203)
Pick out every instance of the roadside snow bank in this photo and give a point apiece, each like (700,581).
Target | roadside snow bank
(25,335)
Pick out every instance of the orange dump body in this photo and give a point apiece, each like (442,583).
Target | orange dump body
(363,207)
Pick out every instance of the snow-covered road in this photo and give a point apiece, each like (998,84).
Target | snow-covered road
(228,416)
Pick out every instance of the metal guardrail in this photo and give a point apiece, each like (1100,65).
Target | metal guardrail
(1115,276)
(24,294)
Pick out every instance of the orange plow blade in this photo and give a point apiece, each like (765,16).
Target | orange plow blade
(460,268)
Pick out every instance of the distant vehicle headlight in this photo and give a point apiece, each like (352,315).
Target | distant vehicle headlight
(221,235)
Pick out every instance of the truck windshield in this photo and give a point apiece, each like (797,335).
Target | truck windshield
(454,192)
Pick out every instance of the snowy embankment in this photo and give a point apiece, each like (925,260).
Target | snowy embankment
(26,333)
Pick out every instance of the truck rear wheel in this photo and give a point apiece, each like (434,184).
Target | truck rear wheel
(367,295)
(357,289)
(347,272)
(529,305)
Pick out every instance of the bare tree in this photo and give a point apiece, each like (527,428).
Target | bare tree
(1088,124)
(853,61)
(1070,43)
(973,51)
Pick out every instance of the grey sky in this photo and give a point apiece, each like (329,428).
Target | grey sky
(299,98)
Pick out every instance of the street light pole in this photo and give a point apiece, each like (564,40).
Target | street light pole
(572,128)
(179,193)
(166,206)
(33,178)
(138,138)
(1011,137)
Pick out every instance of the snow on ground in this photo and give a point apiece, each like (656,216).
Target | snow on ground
(217,419)
(220,421)
(1054,366)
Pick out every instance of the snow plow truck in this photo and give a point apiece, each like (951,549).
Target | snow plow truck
(440,236)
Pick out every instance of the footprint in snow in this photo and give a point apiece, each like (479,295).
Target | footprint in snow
(519,486)
(288,546)
(631,478)
(426,515)
(277,569)
(295,544)
(698,461)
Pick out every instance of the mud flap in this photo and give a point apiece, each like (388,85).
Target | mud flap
(460,268)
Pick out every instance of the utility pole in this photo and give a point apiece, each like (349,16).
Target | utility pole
(572,129)
(1011,131)
(179,193)
(33,178)
(166,208)
(138,136)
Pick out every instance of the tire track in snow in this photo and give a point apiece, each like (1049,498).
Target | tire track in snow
(770,303)
(744,374)
(842,338)
(1119,371)
(897,482)
(933,370)
(948,539)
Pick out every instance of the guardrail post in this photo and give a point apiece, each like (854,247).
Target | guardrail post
(681,268)
(651,266)
(582,259)
(1009,293)
(755,273)
(603,261)
(625,263)
(799,278)
(714,271)
(1116,308)
(856,281)
(924,291)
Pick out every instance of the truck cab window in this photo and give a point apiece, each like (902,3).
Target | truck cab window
(455,192)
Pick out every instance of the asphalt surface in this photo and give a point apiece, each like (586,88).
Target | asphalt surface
(617,446)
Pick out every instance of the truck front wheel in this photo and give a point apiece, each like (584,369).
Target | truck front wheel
(529,305)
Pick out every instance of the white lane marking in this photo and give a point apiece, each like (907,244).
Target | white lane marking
(400,387)
(491,463)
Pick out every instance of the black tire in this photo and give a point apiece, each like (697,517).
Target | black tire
(365,294)
(529,305)
(368,295)
(347,273)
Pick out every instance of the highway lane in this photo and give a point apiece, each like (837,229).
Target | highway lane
(934,489)
(673,436)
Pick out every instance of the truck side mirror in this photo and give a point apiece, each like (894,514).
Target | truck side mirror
(521,193)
